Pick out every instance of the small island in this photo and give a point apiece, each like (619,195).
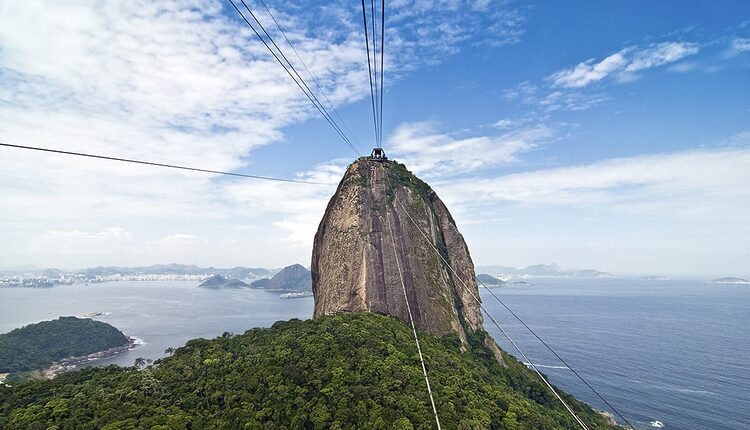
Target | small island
(296,295)
(522,283)
(218,281)
(731,280)
(42,350)
(654,278)
(489,280)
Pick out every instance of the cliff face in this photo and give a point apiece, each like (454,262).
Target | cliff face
(355,268)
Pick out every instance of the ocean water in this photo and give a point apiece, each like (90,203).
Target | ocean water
(162,314)
(672,351)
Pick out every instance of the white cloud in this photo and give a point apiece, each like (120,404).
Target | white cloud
(110,233)
(695,181)
(439,25)
(570,100)
(430,152)
(513,123)
(504,124)
(589,71)
(622,64)
(660,54)
(298,209)
(739,45)
(551,100)
(77,243)
(179,239)
(684,67)
(182,82)
(571,88)
(682,213)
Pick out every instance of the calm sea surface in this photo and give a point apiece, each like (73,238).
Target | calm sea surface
(673,351)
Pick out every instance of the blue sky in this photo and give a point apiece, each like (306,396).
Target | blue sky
(591,134)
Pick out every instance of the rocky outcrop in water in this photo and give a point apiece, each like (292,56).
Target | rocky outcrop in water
(218,281)
(368,232)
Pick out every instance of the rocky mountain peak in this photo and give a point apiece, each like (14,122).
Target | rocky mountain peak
(356,269)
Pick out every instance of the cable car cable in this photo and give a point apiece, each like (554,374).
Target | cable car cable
(320,109)
(151,163)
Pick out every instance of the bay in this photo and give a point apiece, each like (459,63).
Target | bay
(673,351)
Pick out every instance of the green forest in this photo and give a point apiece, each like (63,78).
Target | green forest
(37,346)
(350,371)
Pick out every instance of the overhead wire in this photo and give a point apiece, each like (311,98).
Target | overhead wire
(378,140)
(375,68)
(316,101)
(307,70)
(556,354)
(382,66)
(369,70)
(291,66)
(301,83)
(378,103)
(151,163)
(562,360)
(499,327)
(411,317)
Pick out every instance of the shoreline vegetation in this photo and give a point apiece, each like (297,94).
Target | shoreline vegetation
(48,348)
(69,364)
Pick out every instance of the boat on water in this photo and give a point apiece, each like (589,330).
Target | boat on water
(657,424)
(296,295)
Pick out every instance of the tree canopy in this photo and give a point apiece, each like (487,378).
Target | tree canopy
(350,371)
(37,346)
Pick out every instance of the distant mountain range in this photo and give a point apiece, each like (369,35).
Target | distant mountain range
(541,270)
(239,272)
(250,274)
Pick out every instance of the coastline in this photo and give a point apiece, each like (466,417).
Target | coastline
(70,363)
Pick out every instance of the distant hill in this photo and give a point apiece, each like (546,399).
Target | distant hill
(37,346)
(731,280)
(260,283)
(295,277)
(542,270)
(490,280)
(218,281)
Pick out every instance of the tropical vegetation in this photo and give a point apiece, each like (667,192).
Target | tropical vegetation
(351,371)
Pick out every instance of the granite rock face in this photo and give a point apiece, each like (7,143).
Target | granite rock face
(356,269)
